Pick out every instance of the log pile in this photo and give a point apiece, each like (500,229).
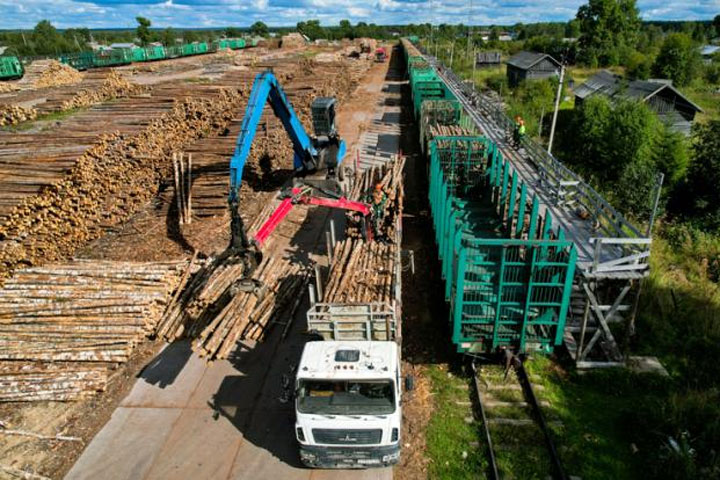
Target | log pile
(13,114)
(449,131)
(7,87)
(216,317)
(107,184)
(292,40)
(50,73)
(361,272)
(63,326)
(390,177)
(114,86)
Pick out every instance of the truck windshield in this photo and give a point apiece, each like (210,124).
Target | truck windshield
(346,397)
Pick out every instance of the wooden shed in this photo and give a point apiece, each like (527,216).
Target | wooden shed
(487,59)
(531,66)
(672,107)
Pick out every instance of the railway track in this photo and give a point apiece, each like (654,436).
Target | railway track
(514,428)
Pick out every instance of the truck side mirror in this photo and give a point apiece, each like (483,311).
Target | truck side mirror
(409,383)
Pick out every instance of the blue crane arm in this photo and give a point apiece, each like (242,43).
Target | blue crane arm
(266,87)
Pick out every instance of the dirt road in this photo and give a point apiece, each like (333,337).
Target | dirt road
(232,419)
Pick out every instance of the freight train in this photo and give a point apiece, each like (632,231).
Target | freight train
(507,270)
(11,67)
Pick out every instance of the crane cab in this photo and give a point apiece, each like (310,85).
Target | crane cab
(323,116)
(330,149)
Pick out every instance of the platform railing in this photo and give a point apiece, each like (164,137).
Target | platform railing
(565,187)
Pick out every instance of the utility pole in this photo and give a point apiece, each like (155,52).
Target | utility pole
(474,64)
(557,107)
(656,202)
(452,51)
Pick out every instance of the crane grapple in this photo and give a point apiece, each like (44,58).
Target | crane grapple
(316,164)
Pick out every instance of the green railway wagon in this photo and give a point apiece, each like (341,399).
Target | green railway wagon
(428,90)
(112,58)
(236,43)
(414,39)
(173,51)
(187,49)
(139,54)
(507,280)
(201,47)
(222,44)
(10,67)
(156,52)
(79,61)
(253,42)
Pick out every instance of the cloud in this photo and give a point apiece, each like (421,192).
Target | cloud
(222,13)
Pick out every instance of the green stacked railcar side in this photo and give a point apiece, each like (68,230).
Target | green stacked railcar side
(507,271)
(10,67)
(155,52)
(112,58)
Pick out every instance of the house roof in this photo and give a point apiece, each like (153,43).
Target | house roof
(122,45)
(526,60)
(612,85)
(604,82)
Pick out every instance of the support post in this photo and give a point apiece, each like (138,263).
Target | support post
(656,202)
(318,282)
(329,248)
(311,294)
(557,107)
(188,205)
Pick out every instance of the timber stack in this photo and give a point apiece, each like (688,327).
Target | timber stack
(390,177)
(14,114)
(64,327)
(50,73)
(114,86)
(364,271)
(107,184)
(215,316)
(361,272)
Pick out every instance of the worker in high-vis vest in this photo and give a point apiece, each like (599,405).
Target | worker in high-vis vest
(519,131)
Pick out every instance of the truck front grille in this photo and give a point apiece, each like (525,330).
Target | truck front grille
(347,437)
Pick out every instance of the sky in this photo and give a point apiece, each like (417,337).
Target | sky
(222,13)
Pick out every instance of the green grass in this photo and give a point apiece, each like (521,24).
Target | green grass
(705,97)
(448,434)
(592,441)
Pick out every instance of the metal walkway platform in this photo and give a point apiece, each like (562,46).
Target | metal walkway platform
(613,254)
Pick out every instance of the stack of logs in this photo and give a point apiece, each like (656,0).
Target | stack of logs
(107,183)
(390,177)
(50,73)
(64,326)
(449,131)
(12,114)
(6,87)
(114,86)
(216,316)
(361,272)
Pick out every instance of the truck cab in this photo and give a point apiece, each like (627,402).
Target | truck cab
(348,399)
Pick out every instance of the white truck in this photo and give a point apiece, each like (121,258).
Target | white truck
(348,389)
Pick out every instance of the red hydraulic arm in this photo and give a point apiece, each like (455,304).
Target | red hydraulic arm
(301,195)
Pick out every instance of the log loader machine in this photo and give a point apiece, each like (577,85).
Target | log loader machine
(319,177)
